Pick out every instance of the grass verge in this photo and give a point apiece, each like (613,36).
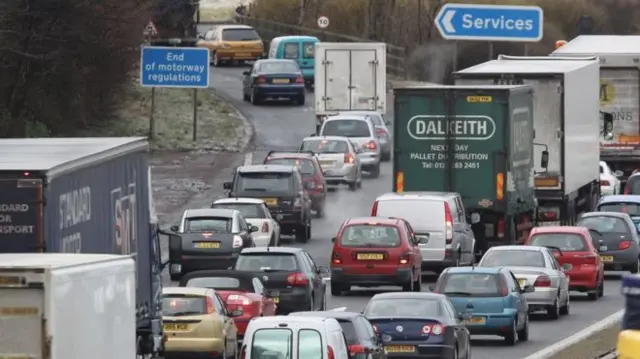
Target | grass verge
(592,347)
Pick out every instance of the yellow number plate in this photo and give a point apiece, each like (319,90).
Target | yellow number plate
(400,348)
(370,256)
(176,327)
(326,163)
(271,201)
(243,54)
(522,282)
(606,258)
(207,245)
(280,81)
(475,321)
(276,300)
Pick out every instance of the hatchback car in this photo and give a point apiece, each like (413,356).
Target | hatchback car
(610,180)
(577,254)
(257,214)
(232,43)
(492,299)
(375,251)
(361,132)
(311,172)
(273,79)
(382,131)
(338,159)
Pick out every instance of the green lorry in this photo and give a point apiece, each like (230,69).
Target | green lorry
(473,140)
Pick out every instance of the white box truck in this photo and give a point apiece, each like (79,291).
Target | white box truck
(566,120)
(350,76)
(619,90)
(67,306)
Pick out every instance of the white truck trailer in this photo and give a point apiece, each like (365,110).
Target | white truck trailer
(350,76)
(619,90)
(566,126)
(67,306)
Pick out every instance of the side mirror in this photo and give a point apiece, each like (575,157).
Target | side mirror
(475,218)
(333,239)
(528,289)
(323,270)
(253,229)
(273,293)
(422,238)
(174,228)
(246,73)
(386,338)
(544,159)
(227,186)
(618,173)
(236,313)
(279,217)
(607,126)
(432,289)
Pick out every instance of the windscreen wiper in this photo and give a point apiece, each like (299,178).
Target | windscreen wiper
(465,294)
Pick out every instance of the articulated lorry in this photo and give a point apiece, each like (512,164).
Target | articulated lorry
(350,76)
(474,140)
(565,128)
(86,195)
(619,93)
(67,306)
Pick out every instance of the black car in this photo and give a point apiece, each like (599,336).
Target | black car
(419,324)
(273,78)
(209,238)
(363,341)
(282,189)
(289,270)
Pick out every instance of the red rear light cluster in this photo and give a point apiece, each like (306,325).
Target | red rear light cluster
(299,80)
(336,258)
(589,259)
(374,209)
(265,228)
(372,145)
(435,329)
(261,80)
(542,281)
(624,245)
(210,307)
(405,258)
(500,228)
(380,132)
(348,159)
(330,353)
(357,349)
(448,222)
(297,279)
(504,286)
(235,299)
(605,183)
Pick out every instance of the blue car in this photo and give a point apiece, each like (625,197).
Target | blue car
(273,79)
(490,300)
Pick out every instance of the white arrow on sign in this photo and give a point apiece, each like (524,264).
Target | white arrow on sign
(446,21)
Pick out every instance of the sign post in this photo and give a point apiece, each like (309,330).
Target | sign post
(176,67)
(323,23)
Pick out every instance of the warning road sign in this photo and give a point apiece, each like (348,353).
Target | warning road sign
(150,29)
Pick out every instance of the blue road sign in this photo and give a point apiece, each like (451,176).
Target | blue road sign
(186,67)
(490,22)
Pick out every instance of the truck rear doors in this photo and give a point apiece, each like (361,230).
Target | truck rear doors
(21,215)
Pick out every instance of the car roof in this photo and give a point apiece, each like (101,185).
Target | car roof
(372,220)
(185,290)
(409,295)
(245,278)
(328,138)
(291,250)
(275,60)
(239,200)
(479,270)
(327,314)
(560,229)
(604,214)
(234,26)
(630,198)
(277,320)
(214,212)
(295,155)
(266,168)
(342,117)
(518,248)
(417,196)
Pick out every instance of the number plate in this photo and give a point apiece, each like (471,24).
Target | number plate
(243,54)
(276,300)
(271,201)
(475,321)
(400,348)
(522,282)
(370,256)
(606,258)
(280,81)
(176,327)
(206,245)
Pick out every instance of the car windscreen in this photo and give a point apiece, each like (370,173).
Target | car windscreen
(223,283)
(605,224)
(632,209)
(266,262)
(359,235)
(278,67)
(325,146)
(265,182)
(248,210)
(567,242)
(471,284)
(208,224)
(175,305)
(513,258)
(346,128)
(272,343)
(305,166)
(240,35)
(404,307)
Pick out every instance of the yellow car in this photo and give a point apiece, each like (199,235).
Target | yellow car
(232,43)
(197,324)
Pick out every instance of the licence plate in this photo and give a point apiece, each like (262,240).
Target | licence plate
(370,256)
(522,282)
(176,327)
(326,163)
(243,54)
(400,348)
(280,81)
(606,258)
(207,245)
(271,201)
(475,321)
(276,300)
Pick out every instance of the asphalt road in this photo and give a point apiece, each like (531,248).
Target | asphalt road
(282,126)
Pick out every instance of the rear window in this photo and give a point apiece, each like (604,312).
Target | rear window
(370,236)
(267,262)
(404,307)
(471,284)
(291,51)
(325,146)
(605,224)
(565,241)
(346,128)
(214,282)
(272,344)
(309,344)
(208,224)
(349,331)
(513,258)
(240,35)
(265,182)
(305,166)
(423,215)
(175,305)
(309,50)
(274,67)
(248,210)
(633,209)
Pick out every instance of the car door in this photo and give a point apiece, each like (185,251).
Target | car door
(462,333)
(516,292)
(413,242)
(318,284)
(230,331)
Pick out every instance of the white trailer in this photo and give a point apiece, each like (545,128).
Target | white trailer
(67,306)
(566,126)
(619,90)
(350,76)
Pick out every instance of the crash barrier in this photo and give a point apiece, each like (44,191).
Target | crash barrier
(629,337)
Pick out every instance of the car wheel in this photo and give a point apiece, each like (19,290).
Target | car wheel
(635,268)
(409,286)
(601,288)
(312,306)
(375,173)
(386,157)
(512,337)
(455,353)
(417,285)
(566,308)
(353,186)
(215,61)
(553,311)
(301,234)
(523,334)
(245,97)
(253,98)
(272,241)
(320,211)
(309,227)
(299,100)
(336,289)
(359,179)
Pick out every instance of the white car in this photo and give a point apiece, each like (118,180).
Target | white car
(609,181)
(257,214)
(382,131)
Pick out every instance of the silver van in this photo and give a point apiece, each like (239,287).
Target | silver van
(440,223)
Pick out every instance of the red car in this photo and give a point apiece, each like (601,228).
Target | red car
(242,291)
(577,254)
(375,251)
(311,172)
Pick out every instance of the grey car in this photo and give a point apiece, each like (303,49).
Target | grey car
(619,242)
(338,159)
(382,131)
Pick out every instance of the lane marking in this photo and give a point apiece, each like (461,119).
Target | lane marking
(248,158)
(552,350)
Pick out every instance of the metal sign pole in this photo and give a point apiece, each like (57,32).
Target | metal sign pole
(195,114)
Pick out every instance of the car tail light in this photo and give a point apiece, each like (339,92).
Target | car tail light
(348,159)
(237,242)
(236,299)
(299,80)
(297,279)
(624,245)
(380,132)
(243,352)
(504,286)
(261,80)
(336,258)
(548,214)
(589,259)
(435,329)
(319,183)
(404,258)
(372,145)
(210,307)
(448,222)
(374,209)
(330,353)
(605,183)
(376,329)
(500,228)
(357,349)
(265,228)
(542,281)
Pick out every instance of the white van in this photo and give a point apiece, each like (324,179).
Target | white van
(284,337)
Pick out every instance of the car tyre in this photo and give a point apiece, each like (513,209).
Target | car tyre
(553,311)
(417,285)
(566,308)
(601,288)
(272,241)
(634,269)
(409,286)
(253,98)
(336,289)
(386,157)
(320,212)
(312,306)
(245,97)
(523,334)
(353,186)
(512,337)
(301,234)
(299,100)
(375,172)
(215,61)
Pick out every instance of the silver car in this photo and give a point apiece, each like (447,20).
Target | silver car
(361,132)
(382,131)
(338,159)
(533,265)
